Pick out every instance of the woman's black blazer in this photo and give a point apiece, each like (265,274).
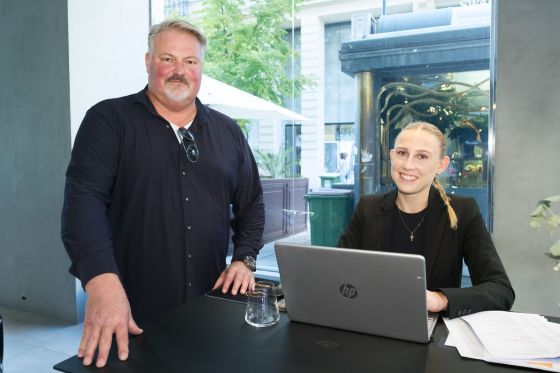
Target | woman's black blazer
(445,249)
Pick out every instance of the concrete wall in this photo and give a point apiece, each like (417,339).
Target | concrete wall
(34,153)
(59,58)
(527,142)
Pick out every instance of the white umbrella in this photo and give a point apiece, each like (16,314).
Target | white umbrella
(239,104)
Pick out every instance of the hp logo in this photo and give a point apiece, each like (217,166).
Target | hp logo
(348,291)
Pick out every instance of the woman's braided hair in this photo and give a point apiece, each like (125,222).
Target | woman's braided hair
(430,128)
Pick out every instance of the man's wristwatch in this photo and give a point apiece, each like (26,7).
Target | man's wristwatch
(249,261)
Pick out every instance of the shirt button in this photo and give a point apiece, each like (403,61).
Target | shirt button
(188,227)
(190,284)
(184,173)
(189,256)
(167,125)
(187,199)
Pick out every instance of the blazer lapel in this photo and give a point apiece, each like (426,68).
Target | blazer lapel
(386,211)
(435,227)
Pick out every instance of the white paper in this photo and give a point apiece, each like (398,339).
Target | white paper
(511,335)
(449,342)
(469,345)
(465,339)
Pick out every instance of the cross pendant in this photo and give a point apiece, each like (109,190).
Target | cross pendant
(411,237)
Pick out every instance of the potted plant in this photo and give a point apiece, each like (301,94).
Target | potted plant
(544,216)
(273,165)
(283,195)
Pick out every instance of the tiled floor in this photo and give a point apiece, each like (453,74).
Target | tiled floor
(33,343)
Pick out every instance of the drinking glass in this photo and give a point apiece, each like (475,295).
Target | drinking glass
(262,307)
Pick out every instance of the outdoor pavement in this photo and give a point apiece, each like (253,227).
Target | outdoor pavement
(266,260)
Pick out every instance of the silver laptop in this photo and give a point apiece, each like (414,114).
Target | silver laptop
(370,292)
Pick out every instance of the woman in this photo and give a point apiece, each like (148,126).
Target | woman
(344,167)
(419,218)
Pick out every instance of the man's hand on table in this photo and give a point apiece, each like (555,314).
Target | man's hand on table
(107,313)
(238,276)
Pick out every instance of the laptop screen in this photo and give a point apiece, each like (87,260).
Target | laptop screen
(370,292)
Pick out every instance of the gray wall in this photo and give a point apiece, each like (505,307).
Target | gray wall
(34,152)
(527,163)
(59,57)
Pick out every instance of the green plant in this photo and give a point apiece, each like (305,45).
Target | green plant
(245,126)
(544,216)
(273,165)
(248,46)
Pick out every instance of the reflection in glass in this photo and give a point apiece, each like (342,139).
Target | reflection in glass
(457,103)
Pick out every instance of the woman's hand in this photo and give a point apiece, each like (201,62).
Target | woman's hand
(436,301)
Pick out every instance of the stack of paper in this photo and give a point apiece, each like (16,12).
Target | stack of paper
(511,338)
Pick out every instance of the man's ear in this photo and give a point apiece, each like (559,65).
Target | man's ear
(147,61)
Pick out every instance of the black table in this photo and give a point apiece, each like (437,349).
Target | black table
(210,335)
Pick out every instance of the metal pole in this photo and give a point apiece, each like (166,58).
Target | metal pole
(366,136)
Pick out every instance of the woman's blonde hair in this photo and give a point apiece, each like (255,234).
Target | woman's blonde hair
(433,130)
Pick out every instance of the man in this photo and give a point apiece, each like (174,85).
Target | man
(149,187)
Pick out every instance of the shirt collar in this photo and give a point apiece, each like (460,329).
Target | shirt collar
(202,110)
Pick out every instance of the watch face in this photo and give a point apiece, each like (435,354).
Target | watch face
(250,263)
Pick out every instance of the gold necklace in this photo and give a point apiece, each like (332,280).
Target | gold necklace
(406,226)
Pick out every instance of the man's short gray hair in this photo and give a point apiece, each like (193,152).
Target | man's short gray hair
(178,25)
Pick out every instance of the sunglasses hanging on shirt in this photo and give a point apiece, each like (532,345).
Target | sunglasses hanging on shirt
(189,145)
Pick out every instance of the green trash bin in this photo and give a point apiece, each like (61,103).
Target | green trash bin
(328,180)
(329,214)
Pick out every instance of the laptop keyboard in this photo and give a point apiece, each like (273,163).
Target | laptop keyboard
(432,321)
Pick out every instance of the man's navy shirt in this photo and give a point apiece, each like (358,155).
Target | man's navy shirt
(134,205)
